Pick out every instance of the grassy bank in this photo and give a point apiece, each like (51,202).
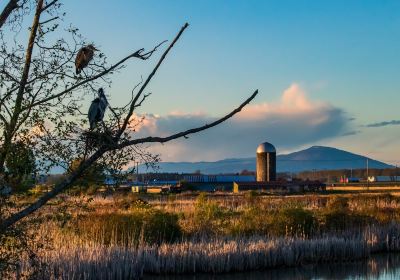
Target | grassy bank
(96,261)
(126,236)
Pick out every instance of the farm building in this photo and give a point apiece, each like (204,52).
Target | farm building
(384,179)
(344,179)
(218,178)
(156,187)
(212,183)
(279,186)
(266,176)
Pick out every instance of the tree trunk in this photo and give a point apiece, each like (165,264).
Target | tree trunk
(10,130)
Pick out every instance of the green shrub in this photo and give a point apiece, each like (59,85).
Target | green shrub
(292,222)
(38,190)
(126,200)
(251,197)
(337,203)
(337,216)
(139,225)
(283,222)
(92,189)
(339,220)
(208,215)
(250,221)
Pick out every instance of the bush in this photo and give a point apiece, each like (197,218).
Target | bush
(251,221)
(292,222)
(139,225)
(284,222)
(339,220)
(126,200)
(251,197)
(337,203)
(38,190)
(208,216)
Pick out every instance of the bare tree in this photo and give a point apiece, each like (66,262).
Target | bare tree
(42,97)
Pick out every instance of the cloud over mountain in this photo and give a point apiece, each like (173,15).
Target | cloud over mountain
(385,123)
(293,121)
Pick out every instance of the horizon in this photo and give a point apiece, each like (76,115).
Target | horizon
(284,154)
(315,158)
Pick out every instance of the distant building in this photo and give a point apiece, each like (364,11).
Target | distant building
(266,162)
(384,179)
(218,178)
(279,186)
(266,176)
(349,180)
(156,187)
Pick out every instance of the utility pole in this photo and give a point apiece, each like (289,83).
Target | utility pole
(367,175)
(137,171)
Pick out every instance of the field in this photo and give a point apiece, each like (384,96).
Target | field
(121,236)
(395,189)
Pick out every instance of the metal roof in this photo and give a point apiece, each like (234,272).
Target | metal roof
(266,148)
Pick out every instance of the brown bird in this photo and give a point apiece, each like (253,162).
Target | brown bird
(84,56)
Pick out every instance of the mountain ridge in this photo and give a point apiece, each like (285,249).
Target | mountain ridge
(312,158)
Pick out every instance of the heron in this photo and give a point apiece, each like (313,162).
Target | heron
(97,109)
(84,56)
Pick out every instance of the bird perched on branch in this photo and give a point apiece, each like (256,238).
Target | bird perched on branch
(97,109)
(84,56)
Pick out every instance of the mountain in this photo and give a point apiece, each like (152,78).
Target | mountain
(325,158)
(316,157)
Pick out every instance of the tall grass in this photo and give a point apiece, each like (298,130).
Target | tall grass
(127,237)
(77,260)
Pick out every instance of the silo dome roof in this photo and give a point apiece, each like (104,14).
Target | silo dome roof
(266,148)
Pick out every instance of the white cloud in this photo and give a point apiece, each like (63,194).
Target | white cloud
(295,120)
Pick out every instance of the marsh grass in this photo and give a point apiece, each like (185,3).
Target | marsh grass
(129,228)
(128,236)
(79,259)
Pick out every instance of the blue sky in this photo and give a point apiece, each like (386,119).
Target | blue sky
(341,55)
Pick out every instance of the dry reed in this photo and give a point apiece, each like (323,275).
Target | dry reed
(77,259)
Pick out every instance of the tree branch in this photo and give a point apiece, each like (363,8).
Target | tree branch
(49,5)
(152,139)
(47,21)
(46,197)
(137,54)
(11,6)
(133,104)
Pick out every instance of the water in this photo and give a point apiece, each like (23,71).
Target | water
(382,267)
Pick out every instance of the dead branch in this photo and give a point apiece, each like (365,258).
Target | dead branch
(49,20)
(133,104)
(152,139)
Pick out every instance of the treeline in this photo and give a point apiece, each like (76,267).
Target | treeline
(146,177)
(335,175)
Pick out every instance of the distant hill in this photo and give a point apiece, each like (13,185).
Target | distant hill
(316,157)
(325,158)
